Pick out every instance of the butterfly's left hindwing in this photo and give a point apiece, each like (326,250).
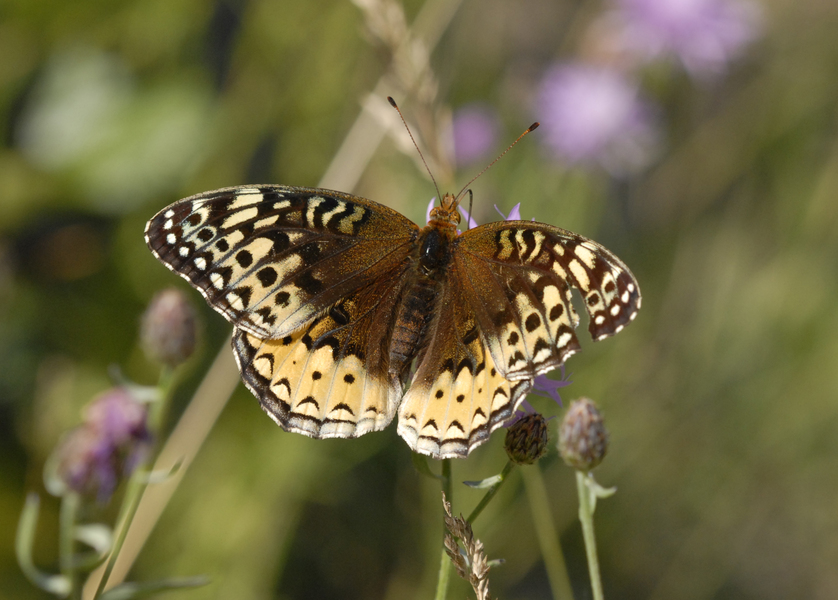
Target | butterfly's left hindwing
(271,258)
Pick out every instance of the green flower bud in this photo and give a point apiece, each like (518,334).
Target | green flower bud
(583,439)
(168,328)
(526,439)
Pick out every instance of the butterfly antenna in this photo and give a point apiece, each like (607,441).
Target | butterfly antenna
(529,129)
(394,105)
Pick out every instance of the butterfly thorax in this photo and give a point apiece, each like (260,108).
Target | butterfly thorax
(429,263)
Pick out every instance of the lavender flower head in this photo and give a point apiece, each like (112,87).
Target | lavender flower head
(595,115)
(475,130)
(705,35)
(109,444)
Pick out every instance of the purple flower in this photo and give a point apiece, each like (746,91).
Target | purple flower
(593,114)
(703,34)
(475,129)
(109,444)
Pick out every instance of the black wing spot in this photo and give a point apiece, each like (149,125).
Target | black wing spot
(308,283)
(593,299)
(556,312)
(512,340)
(205,234)
(432,423)
(339,315)
(282,298)
(349,378)
(266,315)
(460,397)
(343,406)
(244,258)
(532,322)
(518,356)
(310,253)
(267,276)
(470,336)
(309,400)
(439,394)
(244,293)
(222,245)
(316,375)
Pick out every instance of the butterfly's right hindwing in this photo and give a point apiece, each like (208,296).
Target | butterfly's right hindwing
(272,258)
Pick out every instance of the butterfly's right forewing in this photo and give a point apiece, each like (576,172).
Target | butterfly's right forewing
(272,258)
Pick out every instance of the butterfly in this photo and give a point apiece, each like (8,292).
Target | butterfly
(346,312)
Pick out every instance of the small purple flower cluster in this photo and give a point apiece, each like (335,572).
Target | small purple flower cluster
(703,35)
(110,443)
(592,111)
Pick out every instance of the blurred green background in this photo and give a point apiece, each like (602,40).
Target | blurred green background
(720,399)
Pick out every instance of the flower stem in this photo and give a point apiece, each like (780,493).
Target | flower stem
(445,561)
(545,530)
(67,541)
(490,493)
(586,516)
(136,487)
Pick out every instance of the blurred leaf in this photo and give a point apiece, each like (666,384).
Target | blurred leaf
(97,536)
(420,463)
(129,591)
(482,484)
(27,526)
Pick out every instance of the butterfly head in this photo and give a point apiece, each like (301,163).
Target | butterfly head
(447,211)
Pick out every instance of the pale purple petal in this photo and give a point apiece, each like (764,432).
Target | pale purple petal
(475,130)
(471,222)
(544,386)
(430,208)
(592,114)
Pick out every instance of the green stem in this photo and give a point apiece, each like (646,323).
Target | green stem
(545,531)
(586,516)
(67,541)
(490,493)
(136,487)
(445,561)
(157,411)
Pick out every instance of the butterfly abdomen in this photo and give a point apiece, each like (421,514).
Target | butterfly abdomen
(430,259)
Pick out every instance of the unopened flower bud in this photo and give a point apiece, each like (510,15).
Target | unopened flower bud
(583,439)
(108,445)
(168,328)
(526,439)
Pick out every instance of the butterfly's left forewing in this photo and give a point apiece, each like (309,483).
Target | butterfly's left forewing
(504,316)
(520,276)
